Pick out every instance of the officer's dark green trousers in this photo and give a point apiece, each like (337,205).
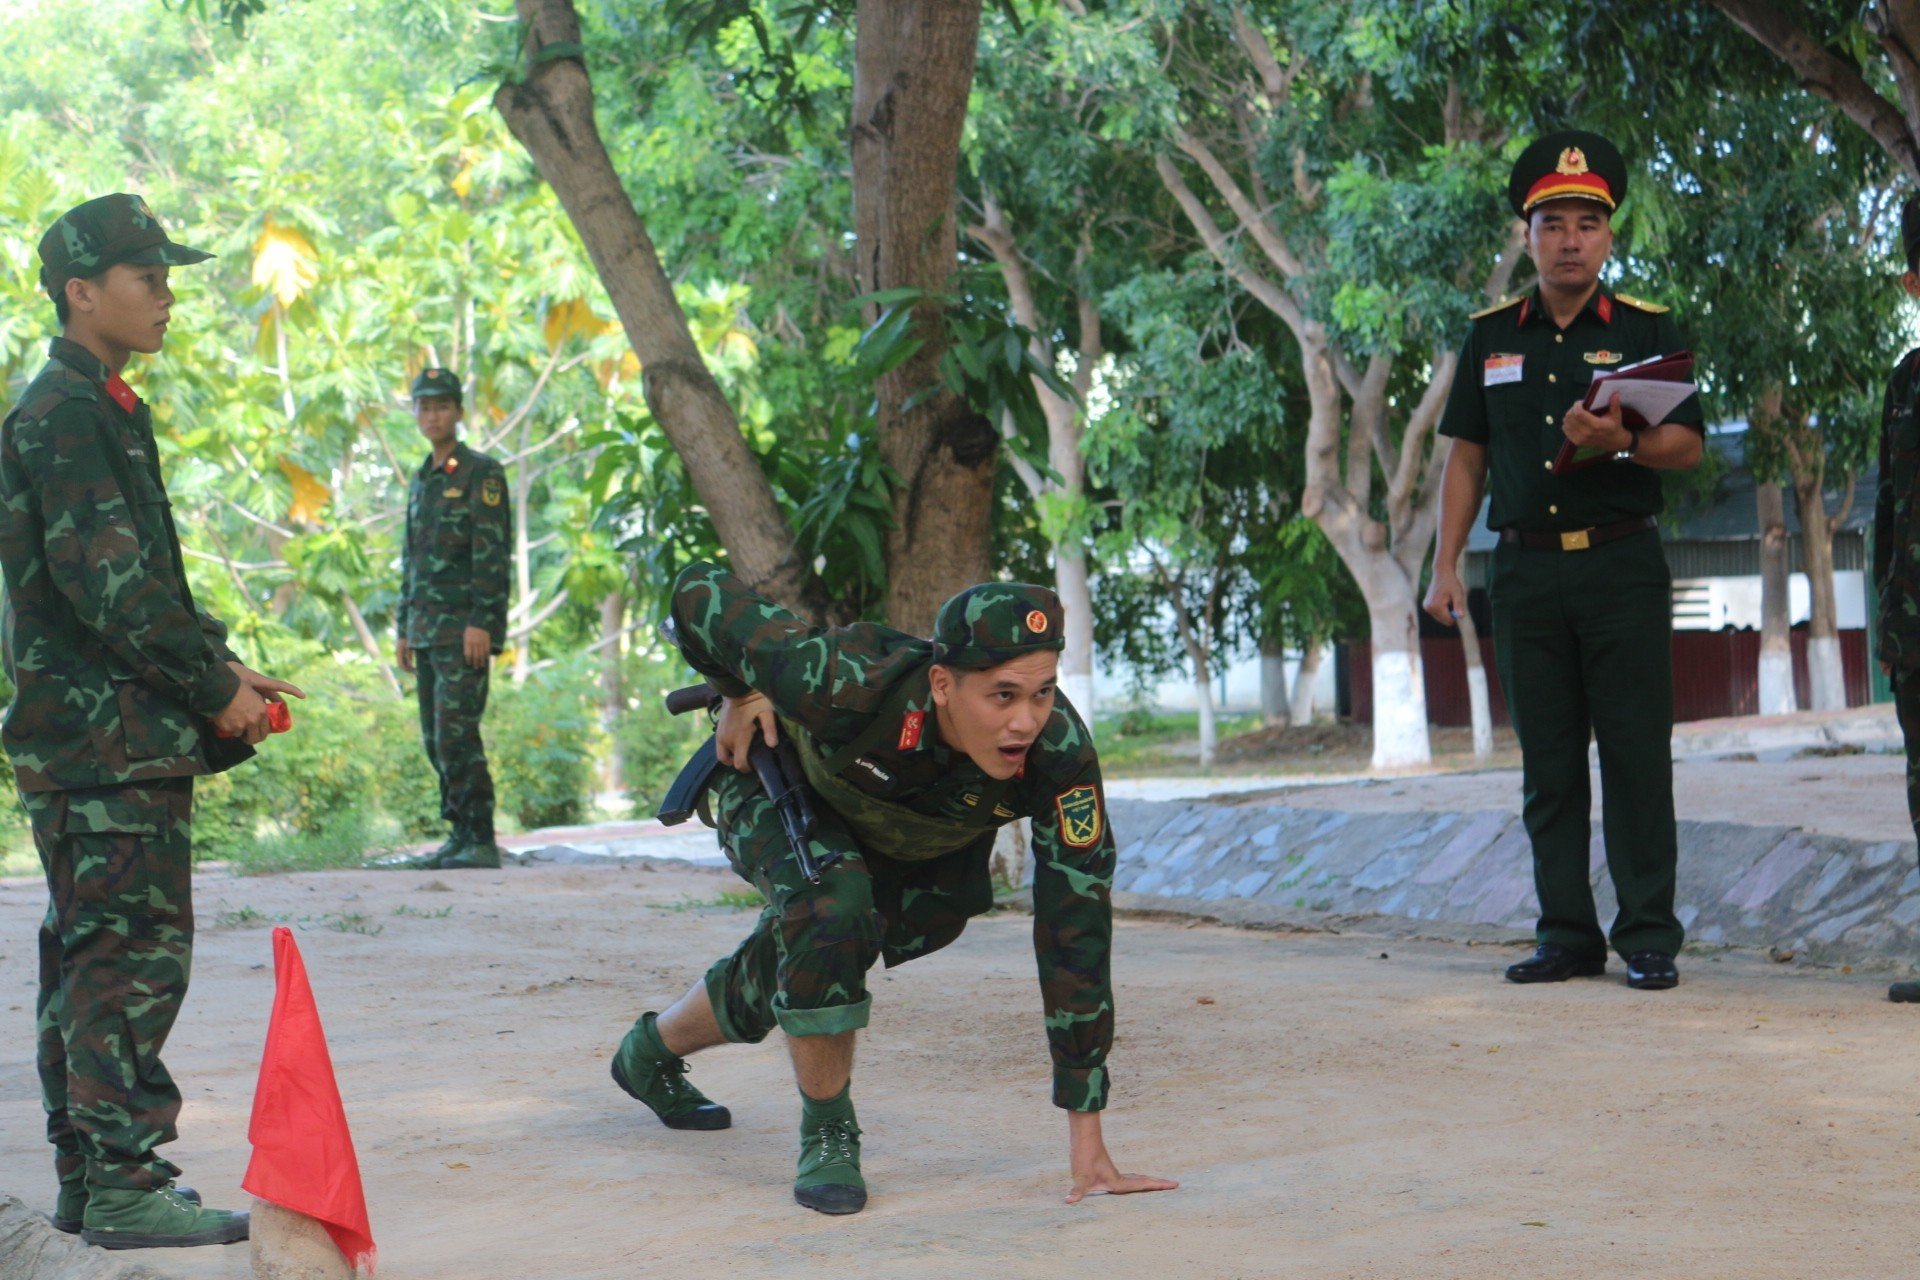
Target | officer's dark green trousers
(116,951)
(1906,704)
(1584,645)
(453,697)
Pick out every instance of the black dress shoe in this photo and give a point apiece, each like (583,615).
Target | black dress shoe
(1651,971)
(1904,993)
(1552,962)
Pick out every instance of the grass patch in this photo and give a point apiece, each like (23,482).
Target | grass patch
(1142,741)
(441,914)
(339,921)
(349,838)
(725,900)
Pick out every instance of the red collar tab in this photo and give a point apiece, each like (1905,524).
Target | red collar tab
(1526,308)
(1603,307)
(912,725)
(122,393)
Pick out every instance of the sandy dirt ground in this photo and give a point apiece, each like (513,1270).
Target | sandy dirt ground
(1862,796)
(1333,1111)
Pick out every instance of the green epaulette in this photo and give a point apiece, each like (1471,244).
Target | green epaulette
(1501,305)
(1638,304)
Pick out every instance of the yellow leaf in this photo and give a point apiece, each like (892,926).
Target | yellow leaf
(573,319)
(285,262)
(309,494)
(463,180)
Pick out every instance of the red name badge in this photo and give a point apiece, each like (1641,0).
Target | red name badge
(910,729)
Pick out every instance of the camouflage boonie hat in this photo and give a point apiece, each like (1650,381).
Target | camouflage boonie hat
(997,622)
(90,237)
(435,382)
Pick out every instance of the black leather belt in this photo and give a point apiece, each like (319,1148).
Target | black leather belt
(1579,539)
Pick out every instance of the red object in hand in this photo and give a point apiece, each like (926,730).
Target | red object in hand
(303,1154)
(279,720)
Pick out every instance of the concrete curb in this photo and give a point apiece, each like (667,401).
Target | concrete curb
(1469,877)
(30,1249)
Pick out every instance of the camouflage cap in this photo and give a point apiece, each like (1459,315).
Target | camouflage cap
(90,237)
(997,622)
(434,381)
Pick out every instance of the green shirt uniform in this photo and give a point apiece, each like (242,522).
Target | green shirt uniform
(1896,537)
(116,673)
(912,820)
(455,575)
(1580,587)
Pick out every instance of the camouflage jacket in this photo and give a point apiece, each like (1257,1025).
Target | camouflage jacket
(832,683)
(1896,520)
(459,538)
(115,669)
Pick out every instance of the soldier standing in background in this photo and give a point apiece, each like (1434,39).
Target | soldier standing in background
(1896,546)
(121,686)
(453,614)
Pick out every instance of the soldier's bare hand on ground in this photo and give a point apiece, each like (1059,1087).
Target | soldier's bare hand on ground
(740,719)
(403,654)
(1094,1172)
(1606,431)
(1446,597)
(477,646)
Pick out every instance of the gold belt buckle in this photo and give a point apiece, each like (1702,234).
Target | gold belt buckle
(1577,540)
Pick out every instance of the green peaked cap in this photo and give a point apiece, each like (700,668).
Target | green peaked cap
(997,622)
(90,237)
(435,381)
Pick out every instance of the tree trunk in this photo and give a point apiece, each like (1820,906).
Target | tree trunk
(1304,680)
(1776,623)
(1825,677)
(913,71)
(1071,580)
(1479,704)
(1193,638)
(1274,712)
(522,554)
(551,113)
(1399,680)
(613,695)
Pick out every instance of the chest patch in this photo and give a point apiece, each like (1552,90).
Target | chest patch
(1604,357)
(453,493)
(912,725)
(1500,370)
(874,771)
(1079,809)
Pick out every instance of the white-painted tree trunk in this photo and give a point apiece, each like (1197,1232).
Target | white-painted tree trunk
(1826,678)
(1300,709)
(1777,697)
(1400,738)
(1826,674)
(1203,699)
(1076,598)
(1273,685)
(1479,704)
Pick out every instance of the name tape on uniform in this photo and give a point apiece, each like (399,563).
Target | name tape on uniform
(1500,370)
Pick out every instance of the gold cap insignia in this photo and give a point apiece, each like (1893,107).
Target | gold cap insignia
(1572,161)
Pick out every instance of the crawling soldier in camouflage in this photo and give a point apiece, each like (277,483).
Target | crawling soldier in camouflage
(453,615)
(122,685)
(917,753)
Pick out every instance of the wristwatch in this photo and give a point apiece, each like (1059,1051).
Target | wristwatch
(1633,447)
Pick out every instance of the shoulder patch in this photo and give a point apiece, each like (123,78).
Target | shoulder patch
(1495,309)
(1079,810)
(1641,304)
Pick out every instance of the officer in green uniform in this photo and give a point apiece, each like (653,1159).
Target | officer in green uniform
(453,614)
(1896,546)
(916,753)
(124,691)
(1581,612)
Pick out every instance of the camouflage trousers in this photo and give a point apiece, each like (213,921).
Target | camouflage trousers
(453,697)
(1906,704)
(116,949)
(804,966)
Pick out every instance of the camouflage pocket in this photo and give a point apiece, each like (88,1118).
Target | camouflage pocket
(154,725)
(106,840)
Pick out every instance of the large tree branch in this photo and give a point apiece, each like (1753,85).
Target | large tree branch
(551,113)
(1251,217)
(1832,77)
(1268,291)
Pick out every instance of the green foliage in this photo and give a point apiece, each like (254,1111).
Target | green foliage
(542,739)
(652,744)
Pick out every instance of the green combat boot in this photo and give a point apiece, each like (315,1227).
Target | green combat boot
(117,1218)
(71,1206)
(474,854)
(431,860)
(829,1179)
(646,1071)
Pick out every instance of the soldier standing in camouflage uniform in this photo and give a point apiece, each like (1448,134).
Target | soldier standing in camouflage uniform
(453,614)
(916,753)
(1896,546)
(121,686)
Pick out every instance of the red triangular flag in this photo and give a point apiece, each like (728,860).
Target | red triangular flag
(302,1153)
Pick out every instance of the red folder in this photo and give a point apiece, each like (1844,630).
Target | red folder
(1673,372)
